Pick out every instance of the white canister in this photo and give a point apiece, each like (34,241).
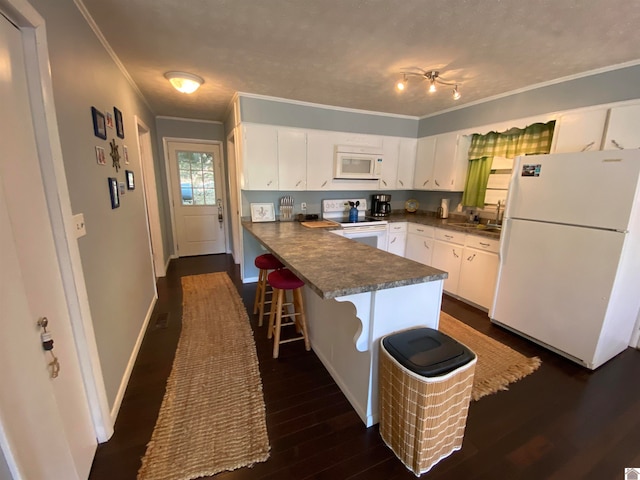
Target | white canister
(444,205)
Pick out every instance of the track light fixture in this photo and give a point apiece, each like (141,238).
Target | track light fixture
(434,79)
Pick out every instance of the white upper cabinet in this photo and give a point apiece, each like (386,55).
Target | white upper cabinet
(260,157)
(440,164)
(406,163)
(319,160)
(580,131)
(623,128)
(390,150)
(292,159)
(425,158)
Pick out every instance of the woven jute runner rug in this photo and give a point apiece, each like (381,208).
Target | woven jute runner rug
(212,416)
(498,365)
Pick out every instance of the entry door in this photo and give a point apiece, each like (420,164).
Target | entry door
(46,429)
(196,183)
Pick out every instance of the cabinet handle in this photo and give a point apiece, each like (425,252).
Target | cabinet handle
(323,184)
(454,253)
(385,183)
(484,244)
(426,181)
(269,183)
(419,230)
(617,145)
(587,147)
(299,182)
(471,257)
(400,182)
(437,184)
(448,236)
(393,241)
(426,245)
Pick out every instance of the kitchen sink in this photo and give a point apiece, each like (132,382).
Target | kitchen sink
(477,226)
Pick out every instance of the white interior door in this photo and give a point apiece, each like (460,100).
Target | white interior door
(46,429)
(197,192)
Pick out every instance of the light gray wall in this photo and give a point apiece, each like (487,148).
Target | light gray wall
(167,127)
(259,110)
(609,87)
(115,252)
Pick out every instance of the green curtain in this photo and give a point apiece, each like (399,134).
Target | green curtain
(532,140)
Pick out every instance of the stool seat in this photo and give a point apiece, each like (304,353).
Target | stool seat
(268,262)
(284,279)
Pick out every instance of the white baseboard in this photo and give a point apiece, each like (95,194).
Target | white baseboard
(132,361)
(250,280)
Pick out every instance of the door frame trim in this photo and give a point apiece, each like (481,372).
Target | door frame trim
(167,169)
(40,87)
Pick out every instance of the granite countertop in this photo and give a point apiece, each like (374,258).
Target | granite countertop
(334,266)
(451,223)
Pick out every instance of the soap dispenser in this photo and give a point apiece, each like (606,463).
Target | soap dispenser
(353,212)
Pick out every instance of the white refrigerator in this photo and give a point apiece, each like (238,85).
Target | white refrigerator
(569,276)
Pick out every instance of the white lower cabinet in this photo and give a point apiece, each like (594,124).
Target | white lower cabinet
(447,256)
(397,238)
(479,271)
(419,246)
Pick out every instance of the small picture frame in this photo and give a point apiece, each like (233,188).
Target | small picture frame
(263,212)
(99,123)
(119,125)
(109,119)
(113,192)
(131,184)
(100,156)
(122,188)
(125,154)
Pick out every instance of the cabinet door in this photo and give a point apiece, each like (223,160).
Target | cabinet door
(390,149)
(425,158)
(406,163)
(260,163)
(478,275)
(622,129)
(292,159)
(444,166)
(448,256)
(580,132)
(419,248)
(319,160)
(397,242)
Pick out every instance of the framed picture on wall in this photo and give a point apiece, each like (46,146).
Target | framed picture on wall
(100,156)
(113,192)
(125,154)
(99,123)
(119,125)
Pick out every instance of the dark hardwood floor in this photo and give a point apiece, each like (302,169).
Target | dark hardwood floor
(562,422)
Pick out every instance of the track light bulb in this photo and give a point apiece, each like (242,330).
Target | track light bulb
(402,84)
(456,93)
(432,86)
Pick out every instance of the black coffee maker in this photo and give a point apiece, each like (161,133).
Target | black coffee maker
(380,205)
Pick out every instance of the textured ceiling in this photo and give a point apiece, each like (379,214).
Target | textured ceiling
(349,53)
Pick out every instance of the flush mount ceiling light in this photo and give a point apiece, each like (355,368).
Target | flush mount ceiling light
(433,78)
(184,82)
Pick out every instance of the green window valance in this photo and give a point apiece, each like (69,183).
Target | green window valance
(531,140)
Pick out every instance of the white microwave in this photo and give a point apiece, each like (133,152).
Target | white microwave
(357,163)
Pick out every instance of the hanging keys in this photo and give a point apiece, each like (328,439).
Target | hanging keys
(54,365)
(47,345)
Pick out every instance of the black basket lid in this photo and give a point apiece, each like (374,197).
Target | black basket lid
(427,352)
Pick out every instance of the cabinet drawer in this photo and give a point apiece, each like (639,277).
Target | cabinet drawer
(450,236)
(423,230)
(397,227)
(483,243)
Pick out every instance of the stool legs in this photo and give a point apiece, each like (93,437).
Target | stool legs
(298,319)
(261,291)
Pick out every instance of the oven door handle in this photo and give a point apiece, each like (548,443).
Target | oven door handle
(375,229)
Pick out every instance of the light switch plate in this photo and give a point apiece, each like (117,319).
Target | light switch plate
(78,221)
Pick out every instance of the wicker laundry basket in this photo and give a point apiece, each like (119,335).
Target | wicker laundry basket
(424,395)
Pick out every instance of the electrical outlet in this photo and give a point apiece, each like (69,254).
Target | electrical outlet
(303,206)
(78,221)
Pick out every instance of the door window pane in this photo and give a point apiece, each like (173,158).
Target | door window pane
(197,181)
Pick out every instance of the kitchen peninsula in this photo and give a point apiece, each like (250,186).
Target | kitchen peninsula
(354,295)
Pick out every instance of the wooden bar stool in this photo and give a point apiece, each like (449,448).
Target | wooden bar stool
(265,263)
(281,281)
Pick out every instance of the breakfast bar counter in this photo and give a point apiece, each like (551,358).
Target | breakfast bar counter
(354,295)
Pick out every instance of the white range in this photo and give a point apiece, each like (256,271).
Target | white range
(369,230)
